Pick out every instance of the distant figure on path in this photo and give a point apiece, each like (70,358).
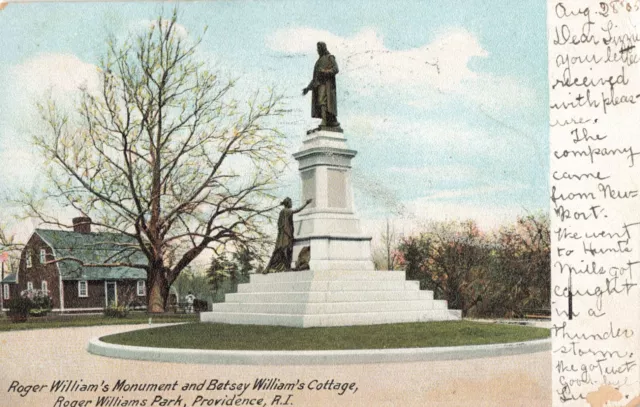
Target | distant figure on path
(283,252)
(190,298)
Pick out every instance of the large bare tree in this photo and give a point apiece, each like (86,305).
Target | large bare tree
(163,153)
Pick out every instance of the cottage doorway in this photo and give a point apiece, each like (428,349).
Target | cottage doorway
(111,293)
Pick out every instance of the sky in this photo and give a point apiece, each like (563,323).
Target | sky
(445,102)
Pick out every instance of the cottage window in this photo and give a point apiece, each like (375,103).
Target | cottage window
(29,261)
(44,287)
(142,288)
(43,256)
(29,285)
(82,289)
(6,292)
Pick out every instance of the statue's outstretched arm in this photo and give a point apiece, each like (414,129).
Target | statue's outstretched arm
(303,206)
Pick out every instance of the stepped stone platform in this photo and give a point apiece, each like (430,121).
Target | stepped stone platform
(329,298)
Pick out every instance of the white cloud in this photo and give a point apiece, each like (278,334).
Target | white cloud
(59,76)
(302,40)
(143,26)
(48,74)
(364,56)
(62,73)
(19,167)
(441,66)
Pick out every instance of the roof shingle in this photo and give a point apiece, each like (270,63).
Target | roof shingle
(95,248)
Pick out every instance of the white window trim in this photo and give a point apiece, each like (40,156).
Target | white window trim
(29,285)
(44,286)
(29,260)
(86,289)
(43,256)
(6,292)
(141,288)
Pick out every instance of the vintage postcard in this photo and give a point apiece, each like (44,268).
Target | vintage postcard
(310,203)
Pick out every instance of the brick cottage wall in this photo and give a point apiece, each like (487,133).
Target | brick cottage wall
(94,299)
(96,294)
(13,292)
(38,271)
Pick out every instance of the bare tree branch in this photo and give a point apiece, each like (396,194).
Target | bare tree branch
(161,152)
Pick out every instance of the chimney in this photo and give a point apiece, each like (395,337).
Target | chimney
(82,224)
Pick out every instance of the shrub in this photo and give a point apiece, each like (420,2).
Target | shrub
(20,305)
(19,308)
(41,303)
(38,312)
(116,311)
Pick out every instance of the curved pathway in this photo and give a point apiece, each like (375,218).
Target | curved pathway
(42,356)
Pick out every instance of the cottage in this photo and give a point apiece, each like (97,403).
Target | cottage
(67,265)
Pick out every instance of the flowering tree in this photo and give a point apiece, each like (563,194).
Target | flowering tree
(522,267)
(163,153)
(31,301)
(449,259)
(499,274)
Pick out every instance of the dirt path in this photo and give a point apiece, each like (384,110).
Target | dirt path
(40,357)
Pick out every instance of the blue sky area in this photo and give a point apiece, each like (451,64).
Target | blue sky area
(446,102)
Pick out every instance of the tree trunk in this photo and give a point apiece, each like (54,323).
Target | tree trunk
(158,291)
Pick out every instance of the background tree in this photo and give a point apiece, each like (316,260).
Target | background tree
(164,154)
(384,257)
(230,269)
(521,274)
(191,280)
(502,274)
(451,260)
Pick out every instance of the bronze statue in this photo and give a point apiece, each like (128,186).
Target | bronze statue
(324,104)
(283,252)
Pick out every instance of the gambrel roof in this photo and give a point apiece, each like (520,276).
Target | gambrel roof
(94,248)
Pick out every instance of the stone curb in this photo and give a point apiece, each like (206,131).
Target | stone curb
(328,357)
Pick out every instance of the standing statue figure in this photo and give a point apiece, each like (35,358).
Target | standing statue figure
(324,103)
(283,252)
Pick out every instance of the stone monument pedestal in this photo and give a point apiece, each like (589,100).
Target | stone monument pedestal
(329,226)
(341,288)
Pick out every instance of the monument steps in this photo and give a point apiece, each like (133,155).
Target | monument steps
(326,320)
(331,308)
(328,275)
(311,286)
(326,296)
(329,298)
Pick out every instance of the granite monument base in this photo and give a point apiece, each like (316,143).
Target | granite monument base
(329,298)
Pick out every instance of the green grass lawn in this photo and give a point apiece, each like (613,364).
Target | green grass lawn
(250,337)
(61,321)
